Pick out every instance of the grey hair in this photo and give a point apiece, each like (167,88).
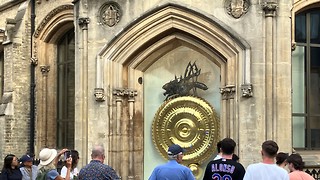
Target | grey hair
(173,157)
(97,151)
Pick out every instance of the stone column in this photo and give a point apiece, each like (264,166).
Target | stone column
(228,93)
(269,8)
(44,117)
(83,23)
(123,135)
(116,158)
(131,102)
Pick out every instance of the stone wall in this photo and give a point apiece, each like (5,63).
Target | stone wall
(264,62)
(15,100)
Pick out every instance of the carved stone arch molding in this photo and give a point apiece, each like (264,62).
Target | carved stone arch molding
(48,32)
(135,49)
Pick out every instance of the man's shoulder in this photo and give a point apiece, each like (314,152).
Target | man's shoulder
(168,165)
(215,161)
(239,165)
(93,164)
(255,165)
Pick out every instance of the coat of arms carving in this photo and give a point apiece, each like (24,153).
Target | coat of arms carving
(237,8)
(110,14)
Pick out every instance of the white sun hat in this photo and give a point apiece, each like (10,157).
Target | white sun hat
(46,156)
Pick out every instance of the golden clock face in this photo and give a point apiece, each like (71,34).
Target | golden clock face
(190,122)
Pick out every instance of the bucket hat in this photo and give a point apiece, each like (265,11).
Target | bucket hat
(46,156)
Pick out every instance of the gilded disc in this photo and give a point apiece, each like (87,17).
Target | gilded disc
(190,122)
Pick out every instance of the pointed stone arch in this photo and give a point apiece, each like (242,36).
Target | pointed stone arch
(58,21)
(48,33)
(138,46)
(160,26)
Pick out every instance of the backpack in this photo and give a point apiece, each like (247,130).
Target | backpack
(42,174)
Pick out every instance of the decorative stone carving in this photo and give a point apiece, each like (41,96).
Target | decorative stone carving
(246,90)
(45,69)
(228,92)
(99,94)
(269,8)
(237,8)
(83,22)
(50,16)
(34,59)
(130,93)
(110,14)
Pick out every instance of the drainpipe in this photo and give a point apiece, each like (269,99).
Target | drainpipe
(32,81)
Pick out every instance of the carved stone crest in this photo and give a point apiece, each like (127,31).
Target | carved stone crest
(237,8)
(110,14)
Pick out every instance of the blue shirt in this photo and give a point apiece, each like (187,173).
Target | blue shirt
(26,173)
(172,170)
(95,170)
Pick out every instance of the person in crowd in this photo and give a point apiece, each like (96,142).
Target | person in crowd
(267,169)
(281,159)
(28,170)
(96,170)
(225,167)
(173,170)
(74,170)
(219,155)
(295,165)
(10,170)
(48,161)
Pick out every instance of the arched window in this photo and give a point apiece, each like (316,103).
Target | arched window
(66,91)
(306,80)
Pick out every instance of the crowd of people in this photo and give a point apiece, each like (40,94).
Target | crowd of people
(224,166)
(23,168)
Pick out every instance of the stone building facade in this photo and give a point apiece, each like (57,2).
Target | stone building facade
(77,73)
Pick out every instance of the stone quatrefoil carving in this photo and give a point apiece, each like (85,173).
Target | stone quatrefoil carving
(237,8)
(110,14)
